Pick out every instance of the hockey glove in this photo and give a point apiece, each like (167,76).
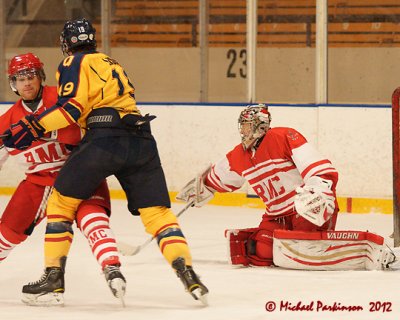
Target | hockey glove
(315,201)
(195,190)
(21,134)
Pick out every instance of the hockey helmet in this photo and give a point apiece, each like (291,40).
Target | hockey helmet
(254,122)
(77,33)
(25,65)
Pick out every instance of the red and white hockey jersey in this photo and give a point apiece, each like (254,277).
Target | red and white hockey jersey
(283,161)
(45,157)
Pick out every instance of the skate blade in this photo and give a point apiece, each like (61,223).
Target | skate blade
(118,287)
(203,298)
(51,299)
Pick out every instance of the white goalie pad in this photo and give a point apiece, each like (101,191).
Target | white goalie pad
(330,250)
(195,190)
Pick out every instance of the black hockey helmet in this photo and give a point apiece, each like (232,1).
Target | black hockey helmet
(77,33)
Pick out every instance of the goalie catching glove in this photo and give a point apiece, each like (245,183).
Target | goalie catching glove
(315,201)
(195,190)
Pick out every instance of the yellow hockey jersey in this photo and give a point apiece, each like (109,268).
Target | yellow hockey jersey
(87,81)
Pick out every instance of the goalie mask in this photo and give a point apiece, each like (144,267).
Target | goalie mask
(77,33)
(254,122)
(25,66)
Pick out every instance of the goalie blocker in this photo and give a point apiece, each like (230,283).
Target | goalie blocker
(322,250)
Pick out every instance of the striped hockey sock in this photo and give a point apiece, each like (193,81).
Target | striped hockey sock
(95,227)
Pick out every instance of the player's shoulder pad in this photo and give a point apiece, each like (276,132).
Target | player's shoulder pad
(285,133)
(71,63)
(237,149)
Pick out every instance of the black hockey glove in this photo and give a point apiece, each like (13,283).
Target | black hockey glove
(21,134)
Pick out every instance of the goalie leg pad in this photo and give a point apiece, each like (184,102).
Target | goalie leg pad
(252,246)
(328,250)
(259,248)
(237,240)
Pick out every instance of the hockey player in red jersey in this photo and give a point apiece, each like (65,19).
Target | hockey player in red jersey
(42,161)
(298,186)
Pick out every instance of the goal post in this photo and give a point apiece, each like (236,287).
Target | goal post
(396,164)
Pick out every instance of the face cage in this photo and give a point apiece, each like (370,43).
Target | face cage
(27,73)
(256,130)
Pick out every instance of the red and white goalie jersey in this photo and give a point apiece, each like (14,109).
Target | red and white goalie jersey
(283,161)
(45,157)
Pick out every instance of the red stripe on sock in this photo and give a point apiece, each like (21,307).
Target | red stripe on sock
(166,243)
(69,239)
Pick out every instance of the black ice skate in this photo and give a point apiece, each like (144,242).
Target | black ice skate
(190,280)
(47,291)
(116,282)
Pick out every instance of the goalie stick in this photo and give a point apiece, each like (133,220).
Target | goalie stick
(128,250)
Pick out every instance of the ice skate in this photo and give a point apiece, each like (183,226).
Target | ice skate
(47,291)
(116,282)
(190,280)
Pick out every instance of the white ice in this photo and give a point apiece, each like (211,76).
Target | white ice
(154,292)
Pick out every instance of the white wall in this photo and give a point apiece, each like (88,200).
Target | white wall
(356,139)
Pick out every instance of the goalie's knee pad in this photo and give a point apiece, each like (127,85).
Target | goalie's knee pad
(252,246)
(259,248)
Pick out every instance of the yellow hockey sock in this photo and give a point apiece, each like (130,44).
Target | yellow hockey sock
(61,212)
(57,243)
(162,224)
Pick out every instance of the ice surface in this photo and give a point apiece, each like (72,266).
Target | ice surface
(154,292)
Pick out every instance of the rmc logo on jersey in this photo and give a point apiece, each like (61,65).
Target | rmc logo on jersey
(343,235)
(45,153)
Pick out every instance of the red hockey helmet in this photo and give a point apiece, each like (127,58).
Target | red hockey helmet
(254,122)
(24,65)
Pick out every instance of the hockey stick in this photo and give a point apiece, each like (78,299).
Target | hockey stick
(127,250)
(2,136)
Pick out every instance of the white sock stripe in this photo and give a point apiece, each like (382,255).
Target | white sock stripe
(108,245)
(91,218)
(93,215)
(100,234)
(107,255)
(95,226)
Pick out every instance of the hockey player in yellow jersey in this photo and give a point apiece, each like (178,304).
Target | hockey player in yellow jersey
(95,91)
